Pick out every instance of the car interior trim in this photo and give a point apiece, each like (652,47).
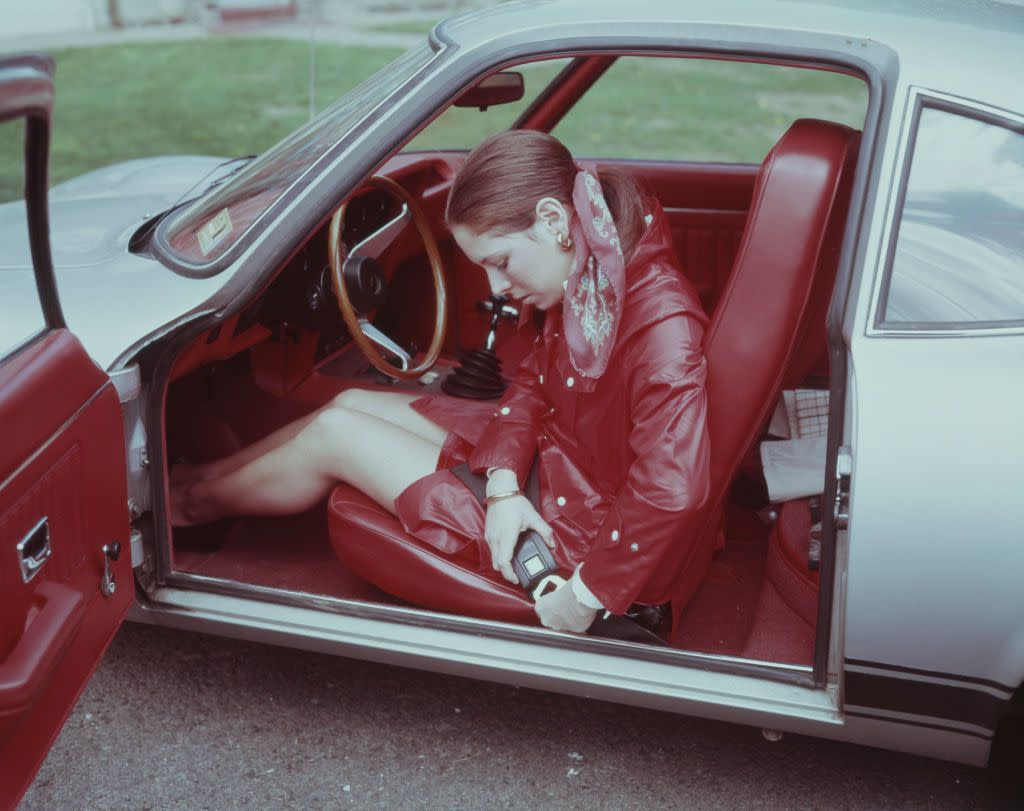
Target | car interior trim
(41,448)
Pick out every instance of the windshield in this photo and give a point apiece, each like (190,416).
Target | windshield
(204,231)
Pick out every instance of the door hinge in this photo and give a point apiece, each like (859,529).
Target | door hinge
(128,382)
(844,470)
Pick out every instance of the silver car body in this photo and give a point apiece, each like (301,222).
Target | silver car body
(926,612)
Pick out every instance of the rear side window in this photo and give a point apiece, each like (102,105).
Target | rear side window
(959,245)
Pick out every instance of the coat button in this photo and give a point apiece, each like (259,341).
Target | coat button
(506,410)
(560,501)
(615,535)
(542,378)
(634,547)
(570,382)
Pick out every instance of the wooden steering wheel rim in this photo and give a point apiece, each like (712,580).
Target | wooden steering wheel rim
(348,312)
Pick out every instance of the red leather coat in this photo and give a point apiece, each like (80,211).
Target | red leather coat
(624,459)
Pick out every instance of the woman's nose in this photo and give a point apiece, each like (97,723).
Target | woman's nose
(499,284)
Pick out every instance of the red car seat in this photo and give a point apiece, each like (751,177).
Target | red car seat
(796,208)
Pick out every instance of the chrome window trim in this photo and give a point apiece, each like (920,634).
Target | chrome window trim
(919,98)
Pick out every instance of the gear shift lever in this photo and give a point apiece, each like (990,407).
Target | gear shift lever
(479,374)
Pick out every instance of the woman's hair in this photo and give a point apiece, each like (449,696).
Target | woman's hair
(498,187)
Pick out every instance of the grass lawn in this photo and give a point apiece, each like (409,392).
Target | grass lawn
(238,96)
(211,97)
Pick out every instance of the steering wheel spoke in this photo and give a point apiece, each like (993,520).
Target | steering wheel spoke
(386,343)
(377,242)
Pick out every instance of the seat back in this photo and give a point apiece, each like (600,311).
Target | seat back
(797,204)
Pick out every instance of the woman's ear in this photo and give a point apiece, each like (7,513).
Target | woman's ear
(553,215)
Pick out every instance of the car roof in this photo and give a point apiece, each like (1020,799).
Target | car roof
(951,44)
(899,20)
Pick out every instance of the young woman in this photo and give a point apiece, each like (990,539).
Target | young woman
(610,402)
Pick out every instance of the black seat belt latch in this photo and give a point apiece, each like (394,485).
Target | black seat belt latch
(534,564)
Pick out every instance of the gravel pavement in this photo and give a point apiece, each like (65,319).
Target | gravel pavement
(176,720)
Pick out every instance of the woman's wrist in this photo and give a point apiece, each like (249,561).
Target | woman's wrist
(502,496)
(501,480)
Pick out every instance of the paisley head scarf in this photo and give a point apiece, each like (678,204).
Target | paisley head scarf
(595,290)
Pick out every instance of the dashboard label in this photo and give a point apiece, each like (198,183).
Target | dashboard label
(214,232)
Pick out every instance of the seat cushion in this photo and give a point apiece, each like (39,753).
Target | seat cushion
(373,544)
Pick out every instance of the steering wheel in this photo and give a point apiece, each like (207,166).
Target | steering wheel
(359,267)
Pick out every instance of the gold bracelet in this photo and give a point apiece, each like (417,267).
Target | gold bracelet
(502,496)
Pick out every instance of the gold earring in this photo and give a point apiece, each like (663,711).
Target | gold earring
(564,241)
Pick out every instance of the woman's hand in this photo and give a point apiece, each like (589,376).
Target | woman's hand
(506,520)
(559,610)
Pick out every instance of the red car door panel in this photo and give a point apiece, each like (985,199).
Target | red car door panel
(61,462)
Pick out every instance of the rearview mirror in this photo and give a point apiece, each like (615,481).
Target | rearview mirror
(498,88)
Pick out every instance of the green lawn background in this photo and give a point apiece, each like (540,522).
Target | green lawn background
(235,96)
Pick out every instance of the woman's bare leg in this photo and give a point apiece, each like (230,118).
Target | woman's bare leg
(336,444)
(391,406)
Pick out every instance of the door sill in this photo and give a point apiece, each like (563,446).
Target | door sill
(708,685)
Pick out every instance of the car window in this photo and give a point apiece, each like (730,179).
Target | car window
(463,128)
(21,314)
(680,109)
(959,254)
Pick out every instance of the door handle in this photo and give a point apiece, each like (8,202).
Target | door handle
(34,549)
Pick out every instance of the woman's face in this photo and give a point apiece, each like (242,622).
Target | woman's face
(526,265)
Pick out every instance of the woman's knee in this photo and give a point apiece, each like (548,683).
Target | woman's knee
(366,400)
(328,427)
(346,399)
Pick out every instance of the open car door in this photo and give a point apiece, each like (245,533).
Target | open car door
(65,568)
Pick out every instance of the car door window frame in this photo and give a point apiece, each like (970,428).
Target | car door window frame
(33,101)
(920,99)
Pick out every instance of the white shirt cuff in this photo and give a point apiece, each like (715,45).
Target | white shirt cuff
(583,594)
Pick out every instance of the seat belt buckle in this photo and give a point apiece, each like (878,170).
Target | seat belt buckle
(534,564)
